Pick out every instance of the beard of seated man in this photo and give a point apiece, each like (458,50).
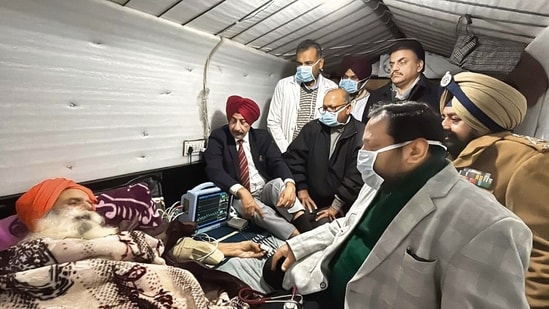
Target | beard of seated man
(71,223)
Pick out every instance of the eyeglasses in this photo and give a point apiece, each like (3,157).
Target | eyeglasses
(335,109)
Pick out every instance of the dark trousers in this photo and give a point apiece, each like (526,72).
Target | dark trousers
(274,278)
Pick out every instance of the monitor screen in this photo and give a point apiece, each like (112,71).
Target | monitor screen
(212,208)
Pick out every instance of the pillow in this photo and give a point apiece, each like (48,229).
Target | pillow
(11,231)
(131,202)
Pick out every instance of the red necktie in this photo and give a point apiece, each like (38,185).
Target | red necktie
(243,164)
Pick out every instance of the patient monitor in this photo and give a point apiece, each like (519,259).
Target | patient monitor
(207,205)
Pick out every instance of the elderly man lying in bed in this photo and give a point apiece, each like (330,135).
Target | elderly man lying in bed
(69,256)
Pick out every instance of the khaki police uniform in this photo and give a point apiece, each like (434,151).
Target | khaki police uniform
(515,169)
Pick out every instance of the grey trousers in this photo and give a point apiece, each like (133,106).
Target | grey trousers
(250,270)
(276,219)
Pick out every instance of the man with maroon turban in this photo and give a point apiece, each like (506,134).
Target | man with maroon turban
(258,176)
(355,72)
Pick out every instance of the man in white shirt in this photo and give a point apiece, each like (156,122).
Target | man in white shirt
(296,99)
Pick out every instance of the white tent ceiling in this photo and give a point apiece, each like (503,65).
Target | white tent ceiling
(343,27)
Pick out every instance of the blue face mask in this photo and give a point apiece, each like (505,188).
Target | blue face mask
(330,119)
(304,73)
(349,85)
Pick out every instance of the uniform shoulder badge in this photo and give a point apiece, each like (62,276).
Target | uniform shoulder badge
(539,144)
(476,177)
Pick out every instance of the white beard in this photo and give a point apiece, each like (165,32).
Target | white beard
(71,223)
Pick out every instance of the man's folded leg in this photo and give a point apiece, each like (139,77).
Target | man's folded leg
(271,221)
(297,214)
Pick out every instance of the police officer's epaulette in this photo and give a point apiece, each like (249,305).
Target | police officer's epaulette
(537,143)
(481,179)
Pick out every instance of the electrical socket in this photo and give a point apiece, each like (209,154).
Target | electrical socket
(196,144)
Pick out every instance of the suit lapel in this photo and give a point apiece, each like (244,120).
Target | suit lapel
(231,146)
(253,146)
(413,212)
(420,206)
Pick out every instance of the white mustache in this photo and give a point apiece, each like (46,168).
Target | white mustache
(71,223)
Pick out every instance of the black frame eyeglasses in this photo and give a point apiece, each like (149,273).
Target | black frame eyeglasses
(337,109)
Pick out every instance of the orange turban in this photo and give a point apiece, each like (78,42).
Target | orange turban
(244,106)
(37,202)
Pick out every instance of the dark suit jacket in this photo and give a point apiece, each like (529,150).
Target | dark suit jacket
(424,91)
(221,157)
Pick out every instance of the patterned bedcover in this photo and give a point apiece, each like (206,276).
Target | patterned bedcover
(117,271)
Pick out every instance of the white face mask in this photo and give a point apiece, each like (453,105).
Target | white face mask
(367,158)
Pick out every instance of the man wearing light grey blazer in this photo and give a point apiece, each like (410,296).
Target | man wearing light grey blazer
(418,236)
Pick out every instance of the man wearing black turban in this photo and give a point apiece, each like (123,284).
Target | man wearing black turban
(355,73)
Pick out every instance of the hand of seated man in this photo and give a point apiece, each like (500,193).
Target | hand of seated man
(287,196)
(306,200)
(248,204)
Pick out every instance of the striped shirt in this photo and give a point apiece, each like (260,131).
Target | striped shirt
(306,112)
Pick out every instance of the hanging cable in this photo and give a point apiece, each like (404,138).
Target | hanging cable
(203,96)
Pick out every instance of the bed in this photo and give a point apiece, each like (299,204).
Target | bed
(126,270)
